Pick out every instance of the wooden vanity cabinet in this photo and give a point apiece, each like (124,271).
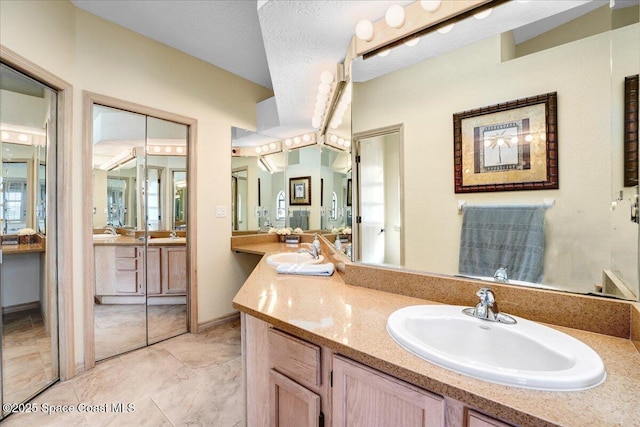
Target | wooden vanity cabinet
(363,397)
(291,382)
(120,270)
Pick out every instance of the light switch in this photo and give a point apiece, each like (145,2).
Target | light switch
(221,211)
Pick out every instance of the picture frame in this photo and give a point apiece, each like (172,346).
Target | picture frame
(511,146)
(300,191)
(349,192)
(631,150)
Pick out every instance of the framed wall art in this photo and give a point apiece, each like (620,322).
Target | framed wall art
(300,191)
(507,147)
(631,131)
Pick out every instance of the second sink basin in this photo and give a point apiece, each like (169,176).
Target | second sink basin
(292,258)
(527,354)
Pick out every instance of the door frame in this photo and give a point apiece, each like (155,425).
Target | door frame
(355,157)
(88,99)
(59,251)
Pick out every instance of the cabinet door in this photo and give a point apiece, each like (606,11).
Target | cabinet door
(174,270)
(363,397)
(105,269)
(153,270)
(476,419)
(291,405)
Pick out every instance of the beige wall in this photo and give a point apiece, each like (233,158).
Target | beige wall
(425,96)
(95,55)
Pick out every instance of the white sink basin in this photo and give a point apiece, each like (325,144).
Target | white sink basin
(527,354)
(292,258)
(105,236)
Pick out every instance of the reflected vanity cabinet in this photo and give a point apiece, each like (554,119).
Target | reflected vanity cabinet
(120,270)
(292,382)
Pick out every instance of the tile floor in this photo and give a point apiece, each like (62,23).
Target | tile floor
(27,359)
(188,380)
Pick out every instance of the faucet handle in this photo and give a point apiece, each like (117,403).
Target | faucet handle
(486,297)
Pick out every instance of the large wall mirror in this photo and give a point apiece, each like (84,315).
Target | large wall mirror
(266,171)
(139,229)
(582,51)
(29,327)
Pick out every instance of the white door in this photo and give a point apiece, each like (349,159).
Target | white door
(379,199)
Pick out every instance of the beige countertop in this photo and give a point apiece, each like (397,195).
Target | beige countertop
(23,248)
(351,320)
(132,241)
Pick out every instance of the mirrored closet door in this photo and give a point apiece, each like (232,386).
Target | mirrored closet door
(29,350)
(139,230)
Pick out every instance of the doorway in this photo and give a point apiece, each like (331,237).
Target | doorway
(141,274)
(379,185)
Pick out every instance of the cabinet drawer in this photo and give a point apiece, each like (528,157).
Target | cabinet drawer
(297,359)
(126,264)
(126,282)
(476,419)
(125,251)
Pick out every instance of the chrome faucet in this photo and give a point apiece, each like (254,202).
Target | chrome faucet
(110,230)
(487,308)
(500,275)
(313,251)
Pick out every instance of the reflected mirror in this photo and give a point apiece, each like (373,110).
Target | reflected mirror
(140,221)
(580,50)
(29,340)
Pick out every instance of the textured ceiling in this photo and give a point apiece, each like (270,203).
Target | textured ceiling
(285,45)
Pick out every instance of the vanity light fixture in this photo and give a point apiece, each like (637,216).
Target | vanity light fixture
(324,88)
(118,160)
(364,30)
(430,5)
(445,29)
(483,14)
(296,140)
(23,137)
(395,16)
(326,77)
(412,42)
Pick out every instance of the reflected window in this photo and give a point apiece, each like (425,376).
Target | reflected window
(334,206)
(280,207)
(116,201)
(14,197)
(154,202)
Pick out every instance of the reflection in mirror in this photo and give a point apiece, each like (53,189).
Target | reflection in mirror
(140,220)
(582,51)
(29,340)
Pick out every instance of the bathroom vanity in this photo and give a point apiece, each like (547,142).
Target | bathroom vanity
(316,348)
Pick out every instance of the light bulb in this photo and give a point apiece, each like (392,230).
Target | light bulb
(483,14)
(333,138)
(296,140)
(5,135)
(167,149)
(321,98)
(340,141)
(288,141)
(500,141)
(316,121)
(445,29)
(384,53)
(528,138)
(306,138)
(347,143)
(395,16)
(156,149)
(364,30)
(326,77)
(179,150)
(430,5)
(272,146)
(414,41)
(23,138)
(324,88)
(487,142)
(514,140)
(258,150)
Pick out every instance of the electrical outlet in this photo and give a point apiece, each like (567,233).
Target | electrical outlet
(221,211)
